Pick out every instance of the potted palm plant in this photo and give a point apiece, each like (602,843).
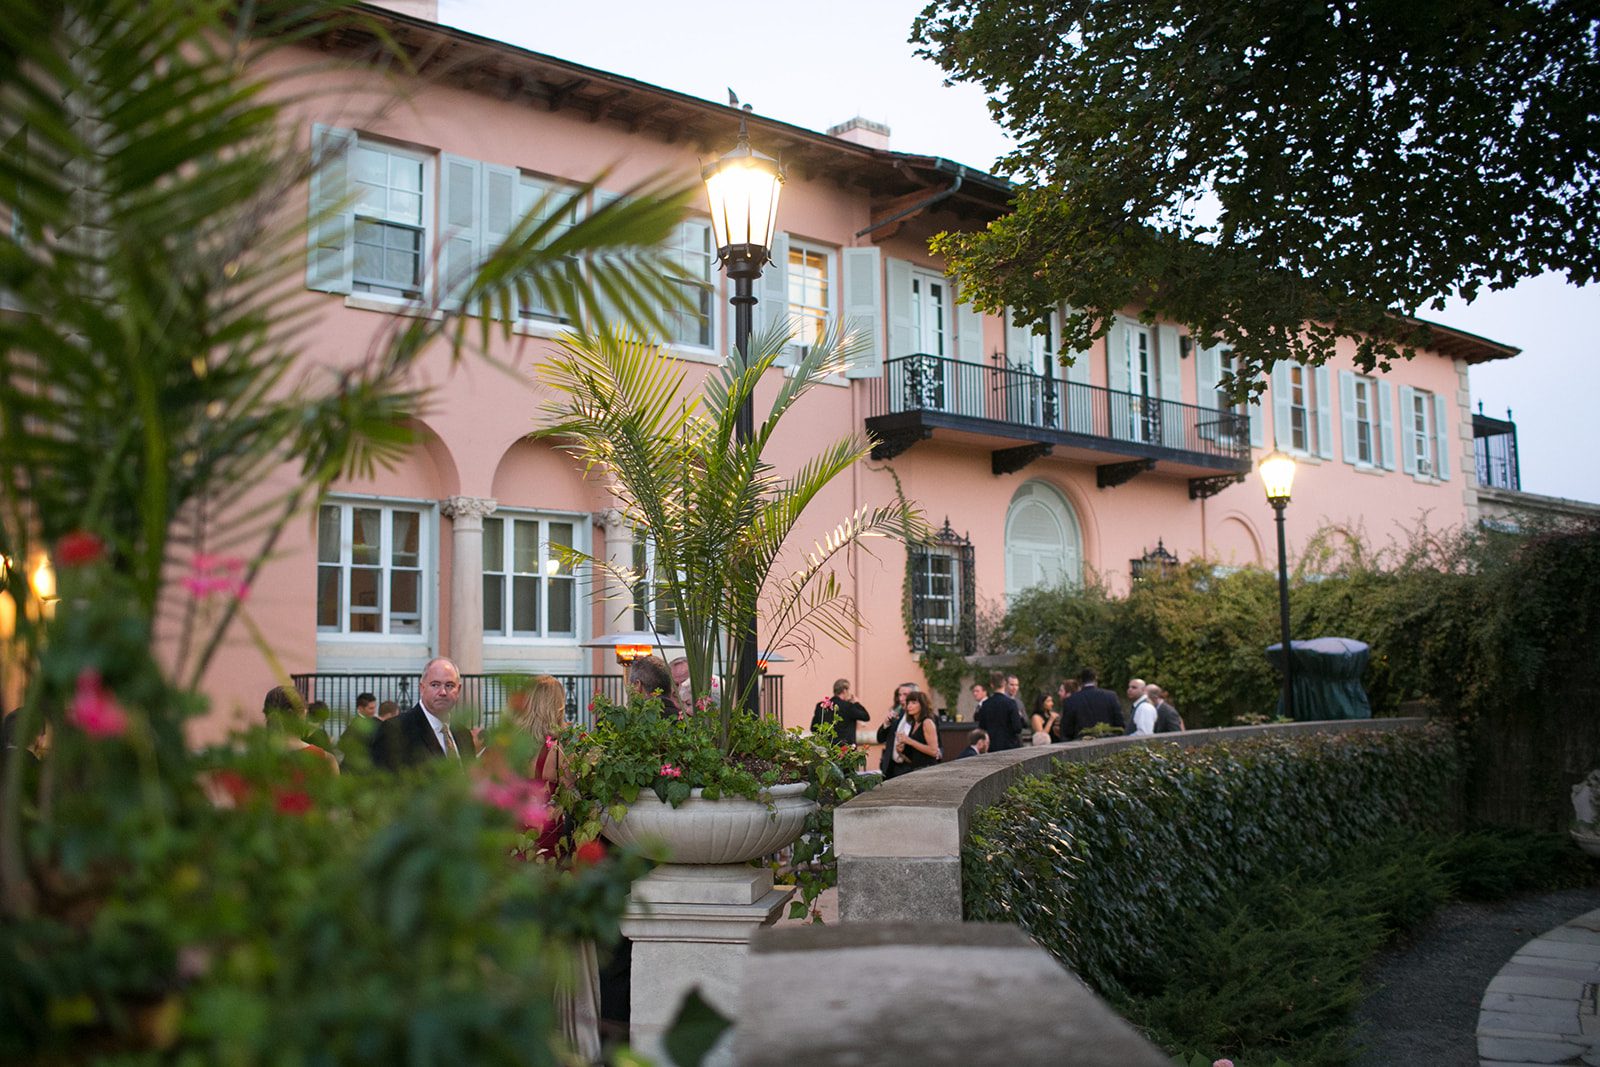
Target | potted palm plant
(720,517)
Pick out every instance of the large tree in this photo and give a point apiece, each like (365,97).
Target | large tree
(1249,167)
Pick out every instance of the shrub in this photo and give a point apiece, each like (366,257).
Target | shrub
(1097,859)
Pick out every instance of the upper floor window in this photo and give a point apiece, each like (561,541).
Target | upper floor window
(810,277)
(691,322)
(527,590)
(929,313)
(1419,430)
(390,230)
(550,203)
(1302,415)
(1367,415)
(370,563)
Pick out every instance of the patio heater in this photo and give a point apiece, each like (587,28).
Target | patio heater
(743,188)
(1277,478)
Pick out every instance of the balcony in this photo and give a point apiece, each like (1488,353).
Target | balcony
(997,406)
(1494,442)
(484,695)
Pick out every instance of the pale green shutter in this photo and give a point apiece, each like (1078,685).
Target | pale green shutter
(1443,426)
(969,331)
(863,301)
(1323,400)
(897,273)
(1207,373)
(1282,433)
(462,241)
(1080,398)
(498,211)
(1019,342)
(1169,381)
(1408,443)
(1385,432)
(330,242)
(1347,418)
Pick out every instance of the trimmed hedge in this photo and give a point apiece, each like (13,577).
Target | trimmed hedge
(1098,860)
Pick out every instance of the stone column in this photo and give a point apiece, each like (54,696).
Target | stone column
(691,925)
(466,579)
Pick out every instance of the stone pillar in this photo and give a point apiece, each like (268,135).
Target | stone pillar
(691,925)
(466,579)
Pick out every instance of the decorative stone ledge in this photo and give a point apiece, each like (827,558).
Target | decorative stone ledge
(925,993)
(899,846)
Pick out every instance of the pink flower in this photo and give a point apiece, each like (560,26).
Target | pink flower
(95,710)
(669,771)
(79,548)
(1221,1063)
(702,704)
(826,703)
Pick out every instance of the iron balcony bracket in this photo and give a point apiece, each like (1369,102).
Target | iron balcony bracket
(893,442)
(1011,460)
(1202,488)
(1111,475)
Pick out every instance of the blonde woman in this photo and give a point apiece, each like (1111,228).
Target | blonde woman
(541,710)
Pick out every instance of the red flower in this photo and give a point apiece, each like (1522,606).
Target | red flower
(79,548)
(588,854)
(95,710)
(669,771)
(232,783)
(293,802)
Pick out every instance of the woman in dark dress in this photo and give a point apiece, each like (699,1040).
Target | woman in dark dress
(920,744)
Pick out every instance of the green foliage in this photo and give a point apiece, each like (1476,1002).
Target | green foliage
(718,513)
(1363,160)
(1492,863)
(635,747)
(1097,859)
(1272,974)
(1493,629)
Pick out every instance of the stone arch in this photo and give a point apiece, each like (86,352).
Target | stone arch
(426,470)
(534,474)
(1043,538)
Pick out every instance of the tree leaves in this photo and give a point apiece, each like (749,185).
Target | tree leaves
(1361,162)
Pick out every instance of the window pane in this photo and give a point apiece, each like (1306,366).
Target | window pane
(525,549)
(363,589)
(494,606)
(666,621)
(525,605)
(494,545)
(328,533)
(405,611)
(560,534)
(367,535)
(563,597)
(405,173)
(407,537)
(328,582)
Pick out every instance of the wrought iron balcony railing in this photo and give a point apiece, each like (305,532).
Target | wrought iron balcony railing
(482,694)
(1019,402)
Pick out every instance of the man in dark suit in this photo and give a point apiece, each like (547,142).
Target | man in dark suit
(1000,716)
(1168,721)
(1088,706)
(423,731)
(841,712)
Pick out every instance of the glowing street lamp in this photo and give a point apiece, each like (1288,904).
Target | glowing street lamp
(1277,479)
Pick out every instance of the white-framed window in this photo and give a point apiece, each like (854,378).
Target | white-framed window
(390,228)
(811,291)
(936,585)
(1419,430)
(549,202)
(692,322)
(1302,411)
(1366,413)
(371,561)
(1044,545)
(528,591)
(652,607)
(1366,420)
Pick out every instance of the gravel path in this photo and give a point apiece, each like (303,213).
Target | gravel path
(1423,1011)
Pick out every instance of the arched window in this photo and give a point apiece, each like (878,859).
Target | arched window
(1043,545)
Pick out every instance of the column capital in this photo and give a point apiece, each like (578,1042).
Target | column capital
(610,518)
(468,507)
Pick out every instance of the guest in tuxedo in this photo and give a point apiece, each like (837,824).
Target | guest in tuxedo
(1168,721)
(1090,705)
(841,712)
(423,732)
(1001,716)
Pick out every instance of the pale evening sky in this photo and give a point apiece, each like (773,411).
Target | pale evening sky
(821,63)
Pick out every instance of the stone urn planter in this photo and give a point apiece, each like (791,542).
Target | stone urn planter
(1586,814)
(722,831)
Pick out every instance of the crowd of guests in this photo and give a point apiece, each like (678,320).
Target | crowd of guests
(910,737)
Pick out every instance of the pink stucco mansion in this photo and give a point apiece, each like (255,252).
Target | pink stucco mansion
(1043,474)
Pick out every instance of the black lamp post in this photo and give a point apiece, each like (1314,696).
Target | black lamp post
(743,188)
(1277,478)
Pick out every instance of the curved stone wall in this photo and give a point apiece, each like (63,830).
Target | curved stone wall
(899,846)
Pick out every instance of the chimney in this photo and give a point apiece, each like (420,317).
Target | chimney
(427,10)
(862,132)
